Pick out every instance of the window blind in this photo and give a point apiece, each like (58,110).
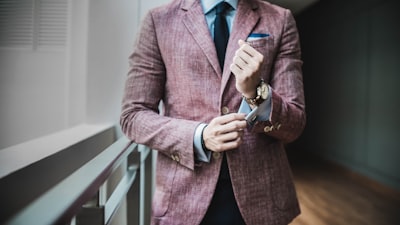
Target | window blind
(34,24)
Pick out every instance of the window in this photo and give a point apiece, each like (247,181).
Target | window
(33,24)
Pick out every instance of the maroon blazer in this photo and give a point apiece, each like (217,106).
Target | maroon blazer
(175,61)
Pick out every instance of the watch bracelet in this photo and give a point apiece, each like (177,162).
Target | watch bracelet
(256,100)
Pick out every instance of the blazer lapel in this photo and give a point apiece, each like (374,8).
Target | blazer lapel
(197,26)
(246,19)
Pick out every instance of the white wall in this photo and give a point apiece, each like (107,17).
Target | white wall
(32,94)
(111,33)
(112,26)
(44,91)
(77,62)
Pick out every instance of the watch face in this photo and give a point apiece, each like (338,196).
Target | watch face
(263,91)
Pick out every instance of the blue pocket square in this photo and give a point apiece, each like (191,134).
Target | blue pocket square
(256,36)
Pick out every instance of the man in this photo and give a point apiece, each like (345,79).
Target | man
(226,114)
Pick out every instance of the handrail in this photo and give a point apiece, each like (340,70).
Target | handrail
(64,201)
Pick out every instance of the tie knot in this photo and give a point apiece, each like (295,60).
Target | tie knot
(222,7)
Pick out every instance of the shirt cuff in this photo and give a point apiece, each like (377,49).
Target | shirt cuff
(201,155)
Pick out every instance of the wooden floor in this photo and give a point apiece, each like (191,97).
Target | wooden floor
(329,196)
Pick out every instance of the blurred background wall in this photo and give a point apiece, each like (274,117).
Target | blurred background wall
(351,71)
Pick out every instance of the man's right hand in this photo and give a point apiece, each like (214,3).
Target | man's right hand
(224,132)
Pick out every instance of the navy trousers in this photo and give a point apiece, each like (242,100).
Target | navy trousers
(223,209)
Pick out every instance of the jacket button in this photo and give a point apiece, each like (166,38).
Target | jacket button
(175,157)
(225,110)
(268,129)
(216,155)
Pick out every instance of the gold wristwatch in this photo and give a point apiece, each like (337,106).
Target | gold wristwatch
(262,94)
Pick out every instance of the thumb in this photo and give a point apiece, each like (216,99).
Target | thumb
(241,42)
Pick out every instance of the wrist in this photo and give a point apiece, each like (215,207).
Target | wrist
(250,95)
(203,144)
(261,94)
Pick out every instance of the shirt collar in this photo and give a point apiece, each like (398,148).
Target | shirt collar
(208,5)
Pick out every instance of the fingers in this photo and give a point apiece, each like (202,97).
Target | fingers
(246,59)
(245,47)
(229,118)
(228,141)
(236,69)
(228,123)
(241,42)
(246,67)
(223,142)
(225,132)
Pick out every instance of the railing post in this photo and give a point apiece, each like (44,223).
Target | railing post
(133,196)
(146,183)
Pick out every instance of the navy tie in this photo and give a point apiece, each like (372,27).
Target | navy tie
(221,37)
(221,31)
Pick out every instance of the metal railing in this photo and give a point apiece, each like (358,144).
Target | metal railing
(117,179)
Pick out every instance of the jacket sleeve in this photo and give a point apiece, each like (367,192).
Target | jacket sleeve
(287,119)
(140,118)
